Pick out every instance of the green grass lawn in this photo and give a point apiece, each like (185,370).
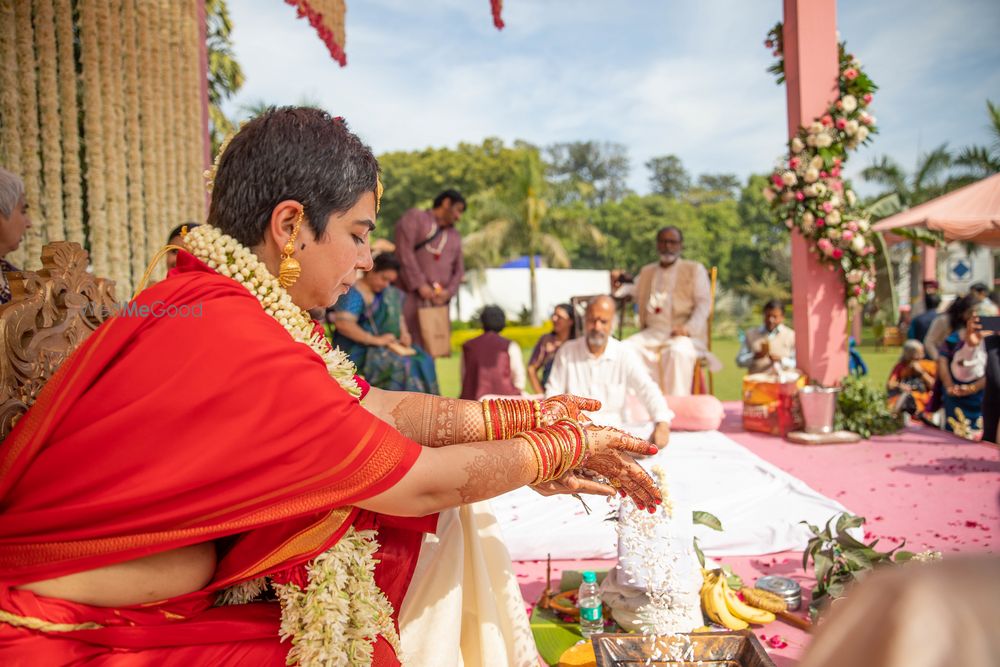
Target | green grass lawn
(728,382)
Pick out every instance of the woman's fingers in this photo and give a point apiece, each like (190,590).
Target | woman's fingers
(592,487)
(585,404)
(626,474)
(612,438)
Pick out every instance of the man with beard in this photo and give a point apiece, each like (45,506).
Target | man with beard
(673,299)
(601,367)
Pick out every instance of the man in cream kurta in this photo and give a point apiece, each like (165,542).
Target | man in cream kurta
(673,297)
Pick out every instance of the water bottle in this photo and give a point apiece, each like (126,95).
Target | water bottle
(589,601)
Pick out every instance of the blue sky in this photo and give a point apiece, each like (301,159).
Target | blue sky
(660,76)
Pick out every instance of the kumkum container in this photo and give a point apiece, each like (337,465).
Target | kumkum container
(785,588)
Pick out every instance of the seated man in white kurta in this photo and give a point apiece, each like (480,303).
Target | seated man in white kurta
(673,298)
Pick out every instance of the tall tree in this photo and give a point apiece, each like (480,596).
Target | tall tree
(517,220)
(667,176)
(928,180)
(978,162)
(589,171)
(225,76)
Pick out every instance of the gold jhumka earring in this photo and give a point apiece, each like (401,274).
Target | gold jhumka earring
(289,270)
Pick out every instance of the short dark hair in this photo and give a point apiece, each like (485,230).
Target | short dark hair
(385,261)
(774,304)
(572,317)
(293,153)
(932,301)
(452,195)
(670,228)
(979,288)
(176,231)
(493,319)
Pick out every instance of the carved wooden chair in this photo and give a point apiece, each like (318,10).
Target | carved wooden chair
(50,313)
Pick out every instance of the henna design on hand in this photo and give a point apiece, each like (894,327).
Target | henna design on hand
(606,458)
(567,406)
(496,469)
(426,419)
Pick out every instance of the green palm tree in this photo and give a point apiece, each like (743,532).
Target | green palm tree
(982,161)
(929,180)
(517,220)
(225,76)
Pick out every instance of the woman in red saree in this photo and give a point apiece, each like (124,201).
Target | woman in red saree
(199,441)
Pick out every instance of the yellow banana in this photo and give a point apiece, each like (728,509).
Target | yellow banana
(713,599)
(741,609)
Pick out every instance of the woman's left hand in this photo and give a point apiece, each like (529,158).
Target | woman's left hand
(567,406)
(406,339)
(572,484)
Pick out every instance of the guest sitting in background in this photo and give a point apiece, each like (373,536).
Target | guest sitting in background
(911,380)
(921,324)
(491,364)
(769,345)
(962,368)
(563,329)
(370,328)
(605,369)
(14,221)
(984,304)
(176,237)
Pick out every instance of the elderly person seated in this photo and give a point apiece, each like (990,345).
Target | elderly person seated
(603,368)
(371,329)
(491,365)
(962,368)
(14,220)
(911,380)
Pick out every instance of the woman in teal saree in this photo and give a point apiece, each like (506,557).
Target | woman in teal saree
(371,330)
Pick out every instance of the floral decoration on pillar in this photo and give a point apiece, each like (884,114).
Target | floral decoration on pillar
(807,192)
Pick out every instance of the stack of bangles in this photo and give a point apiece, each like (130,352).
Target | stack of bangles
(558,448)
(505,417)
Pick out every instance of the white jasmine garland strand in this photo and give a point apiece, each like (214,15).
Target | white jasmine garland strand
(230,258)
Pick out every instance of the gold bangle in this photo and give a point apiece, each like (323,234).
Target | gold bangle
(487,421)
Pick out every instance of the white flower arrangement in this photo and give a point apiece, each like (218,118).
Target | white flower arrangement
(230,258)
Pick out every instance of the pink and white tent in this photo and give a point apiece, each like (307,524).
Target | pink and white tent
(971,214)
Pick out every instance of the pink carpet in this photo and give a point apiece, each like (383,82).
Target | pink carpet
(922,485)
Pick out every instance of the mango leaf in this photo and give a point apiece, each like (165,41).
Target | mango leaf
(701,518)
(857,558)
(734,580)
(903,556)
(848,521)
(823,565)
(699,553)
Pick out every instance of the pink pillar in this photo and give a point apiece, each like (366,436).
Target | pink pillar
(820,315)
(929,263)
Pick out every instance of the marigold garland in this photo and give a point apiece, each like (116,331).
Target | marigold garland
(496,6)
(807,192)
(327,19)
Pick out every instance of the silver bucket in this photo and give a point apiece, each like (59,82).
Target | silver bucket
(819,405)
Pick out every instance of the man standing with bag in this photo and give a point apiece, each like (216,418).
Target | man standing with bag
(430,253)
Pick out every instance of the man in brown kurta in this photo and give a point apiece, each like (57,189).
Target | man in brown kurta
(430,252)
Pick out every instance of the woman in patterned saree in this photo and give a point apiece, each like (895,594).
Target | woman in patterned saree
(371,330)
(200,482)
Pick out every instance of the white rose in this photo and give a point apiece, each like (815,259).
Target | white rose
(812,175)
(816,162)
(824,140)
(807,218)
(797,145)
(850,103)
(851,127)
(862,133)
(833,234)
(851,197)
(855,276)
(858,243)
(835,201)
(816,127)
(809,191)
(864,225)
(820,189)
(833,217)
(789,178)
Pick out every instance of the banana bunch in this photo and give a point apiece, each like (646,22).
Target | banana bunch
(724,607)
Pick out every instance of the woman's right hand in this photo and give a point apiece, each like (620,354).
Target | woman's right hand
(608,457)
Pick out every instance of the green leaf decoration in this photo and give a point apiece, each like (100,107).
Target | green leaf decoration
(701,518)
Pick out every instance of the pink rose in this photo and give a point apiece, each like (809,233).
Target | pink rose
(794,163)
(853,226)
(841,123)
(827,206)
(867,98)
(800,195)
(826,120)
(869,250)
(837,161)
(769,43)
(835,172)
(837,186)
(820,222)
(776,179)
(847,235)
(851,74)
(837,253)
(823,174)
(825,245)
(857,290)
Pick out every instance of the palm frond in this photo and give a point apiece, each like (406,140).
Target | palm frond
(884,206)
(978,161)
(553,251)
(886,171)
(930,166)
(993,111)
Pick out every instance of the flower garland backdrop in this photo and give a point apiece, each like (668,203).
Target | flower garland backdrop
(807,192)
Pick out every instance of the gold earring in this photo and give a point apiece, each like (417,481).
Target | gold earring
(289,270)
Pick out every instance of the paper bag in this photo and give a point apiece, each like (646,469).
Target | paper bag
(770,403)
(435,329)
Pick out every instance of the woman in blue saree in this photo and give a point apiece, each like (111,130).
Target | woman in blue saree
(371,330)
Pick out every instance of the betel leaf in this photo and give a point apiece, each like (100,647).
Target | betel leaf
(701,518)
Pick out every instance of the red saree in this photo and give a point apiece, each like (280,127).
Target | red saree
(163,431)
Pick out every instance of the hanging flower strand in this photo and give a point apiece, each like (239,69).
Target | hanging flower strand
(807,192)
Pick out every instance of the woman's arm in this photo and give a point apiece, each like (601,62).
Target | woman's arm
(536,385)
(451,476)
(348,327)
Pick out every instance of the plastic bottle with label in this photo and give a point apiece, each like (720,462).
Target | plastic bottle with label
(589,602)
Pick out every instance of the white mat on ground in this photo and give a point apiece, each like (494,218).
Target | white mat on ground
(759,504)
